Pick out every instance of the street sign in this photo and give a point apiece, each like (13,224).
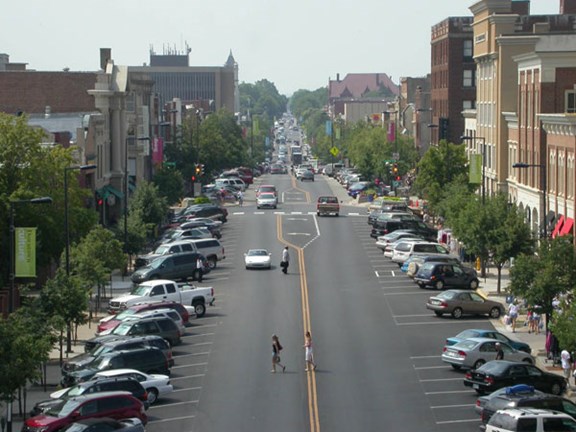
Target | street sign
(334,151)
(396,156)
(396,183)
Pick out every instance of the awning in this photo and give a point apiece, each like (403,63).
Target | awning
(558,227)
(108,190)
(567,227)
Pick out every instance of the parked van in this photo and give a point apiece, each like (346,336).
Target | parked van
(165,249)
(212,250)
(178,266)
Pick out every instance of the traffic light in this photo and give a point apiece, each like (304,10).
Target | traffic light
(201,169)
(395,169)
(398,178)
(193,178)
(198,169)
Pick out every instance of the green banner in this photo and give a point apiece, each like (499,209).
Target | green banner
(25,252)
(476,168)
(255,126)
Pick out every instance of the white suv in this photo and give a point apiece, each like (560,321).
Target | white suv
(530,419)
(404,250)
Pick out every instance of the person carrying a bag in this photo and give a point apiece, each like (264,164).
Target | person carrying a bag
(285,262)
(276,348)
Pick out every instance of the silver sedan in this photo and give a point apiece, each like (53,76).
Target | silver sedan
(474,352)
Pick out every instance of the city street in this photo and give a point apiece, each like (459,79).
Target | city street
(377,347)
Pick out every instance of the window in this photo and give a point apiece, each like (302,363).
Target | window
(467,104)
(570,104)
(468,78)
(468,50)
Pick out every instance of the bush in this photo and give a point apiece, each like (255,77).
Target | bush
(202,200)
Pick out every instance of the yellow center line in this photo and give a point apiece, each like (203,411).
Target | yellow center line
(310,376)
(295,186)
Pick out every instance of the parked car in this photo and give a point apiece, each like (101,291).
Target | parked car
(162,325)
(394,237)
(104,424)
(530,419)
(112,321)
(503,373)
(116,405)
(100,346)
(474,352)
(211,225)
(212,249)
(488,333)
(413,263)
(390,247)
(523,396)
(267,200)
(440,275)
(355,189)
(165,249)
(147,360)
(210,211)
(93,386)
(178,267)
(419,228)
(154,313)
(157,385)
(257,258)
(462,302)
(404,249)
(483,400)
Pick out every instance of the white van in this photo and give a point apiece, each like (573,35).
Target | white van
(530,419)
(231,181)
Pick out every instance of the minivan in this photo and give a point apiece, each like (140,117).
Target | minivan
(178,266)
(212,249)
(147,360)
(530,419)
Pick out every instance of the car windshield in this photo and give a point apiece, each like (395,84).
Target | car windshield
(99,350)
(161,250)
(257,253)
(124,314)
(77,390)
(448,295)
(123,329)
(155,263)
(467,334)
(466,344)
(63,408)
(493,368)
(267,196)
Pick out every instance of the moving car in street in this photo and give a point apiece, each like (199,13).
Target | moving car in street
(327,205)
(503,373)
(462,302)
(267,200)
(305,175)
(474,352)
(258,258)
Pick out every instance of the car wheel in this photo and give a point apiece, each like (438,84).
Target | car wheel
(152,395)
(200,309)
(478,364)
(438,313)
(495,313)
(556,389)
(474,284)
(457,313)
(456,367)
(212,262)
(439,285)
(412,269)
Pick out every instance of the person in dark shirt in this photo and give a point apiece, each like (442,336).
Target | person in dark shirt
(499,352)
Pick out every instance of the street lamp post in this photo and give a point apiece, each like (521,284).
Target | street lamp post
(66,223)
(543,184)
(473,138)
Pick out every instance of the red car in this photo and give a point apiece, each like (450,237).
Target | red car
(112,321)
(246,175)
(116,405)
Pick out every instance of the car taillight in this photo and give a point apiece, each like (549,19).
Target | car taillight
(468,375)
(461,353)
(444,349)
(444,304)
(432,278)
(489,380)
(477,402)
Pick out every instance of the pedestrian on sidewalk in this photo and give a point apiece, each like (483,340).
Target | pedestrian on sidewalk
(566,361)
(276,348)
(285,262)
(513,314)
(309,354)
(499,352)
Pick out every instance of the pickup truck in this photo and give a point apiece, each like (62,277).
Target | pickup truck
(165,290)
(327,205)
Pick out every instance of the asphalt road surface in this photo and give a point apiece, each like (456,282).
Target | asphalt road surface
(377,347)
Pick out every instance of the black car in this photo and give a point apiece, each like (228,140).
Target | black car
(523,396)
(94,386)
(501,373)
(419,228)
(109,343)
(212,211)
(440,275)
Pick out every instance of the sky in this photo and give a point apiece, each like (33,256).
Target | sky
(296,44)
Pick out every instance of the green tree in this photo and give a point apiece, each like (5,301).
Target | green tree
(550,272)
(170,184)
(304,103)
(27,339)
(440,166)
(562,324)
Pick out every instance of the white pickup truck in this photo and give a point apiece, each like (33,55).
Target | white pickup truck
(165,290)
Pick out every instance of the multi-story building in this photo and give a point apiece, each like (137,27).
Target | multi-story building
(453,85)
(510,102)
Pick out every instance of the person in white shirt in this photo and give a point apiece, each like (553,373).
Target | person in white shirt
(285,260)
(513,314)
(566,364)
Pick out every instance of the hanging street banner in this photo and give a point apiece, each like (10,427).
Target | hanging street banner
(329,127)
(25,253)
(475,174)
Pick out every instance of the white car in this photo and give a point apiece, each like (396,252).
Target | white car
(389,248)
(156,385)
(258,258)
(267,200)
